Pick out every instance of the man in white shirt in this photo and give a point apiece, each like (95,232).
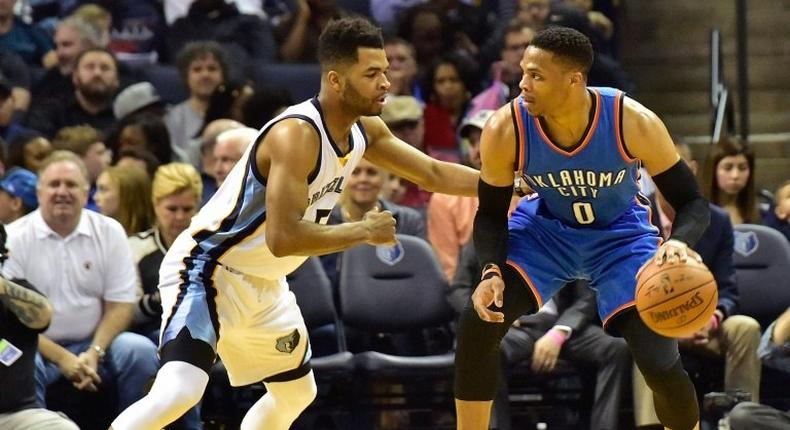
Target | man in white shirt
(82,262)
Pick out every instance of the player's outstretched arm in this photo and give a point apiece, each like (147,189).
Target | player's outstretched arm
(397,156)
(286,157)
(647,139)
(495,188)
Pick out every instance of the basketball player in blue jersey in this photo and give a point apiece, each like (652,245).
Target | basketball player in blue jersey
(222,281)
(580,149)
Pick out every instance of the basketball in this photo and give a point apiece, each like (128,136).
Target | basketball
(676,300)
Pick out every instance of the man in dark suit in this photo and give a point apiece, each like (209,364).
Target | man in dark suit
(567,328)
(729,335)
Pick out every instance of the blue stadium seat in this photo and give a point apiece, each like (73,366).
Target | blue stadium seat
(301,80)
(167,82)
(762,265)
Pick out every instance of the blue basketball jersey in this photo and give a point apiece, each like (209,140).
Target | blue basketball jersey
(590,184)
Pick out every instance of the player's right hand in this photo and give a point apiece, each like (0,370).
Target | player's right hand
(489,291)
(380,227)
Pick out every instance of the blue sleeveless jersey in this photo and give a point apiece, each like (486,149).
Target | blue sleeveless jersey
(590,184)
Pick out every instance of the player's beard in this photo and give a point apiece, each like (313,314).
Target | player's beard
(355,101)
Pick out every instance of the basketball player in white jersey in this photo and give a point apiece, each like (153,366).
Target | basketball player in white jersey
(222,282)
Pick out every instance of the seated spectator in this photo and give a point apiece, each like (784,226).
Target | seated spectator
(728,180)
(245,38)
(727,335)
(91,283)
(24,313)
(28,150)
(72,37)
(362,194)
(137,32)
(30,43)
(779,217)
(17,195)
(138,98)
(144,131)
(427,28)
(226,102)
(9,124)
(450,218)
(202,68)
(404,116)
(95,79)
(208,140)
(229,148)
(88,144)
(449,85)
(775,352)
(176,195)
(124,193)
(139,158)
(98,17)
(403,68)
(17,75)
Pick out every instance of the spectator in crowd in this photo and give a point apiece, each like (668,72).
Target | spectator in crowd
(450,218)
(16,75)
(28,150)
(30,43)
(264,104)
(139,158)
(88,144)
(72,37)
(506,73)
(208,140)
(775,352)
(228,150)
(91,282)
(95,79)
(428,30)
(404,117)
(137,31)
(729,335)
(779,217)
(17,195)
(9,125)
(203,68)
(297,33)
(176,195)
(98,17)
(145,131)
(24,313)
(403,68)
(138,98)
(449,85)
(244,38)
(124,193)
(728,180)
(386,13)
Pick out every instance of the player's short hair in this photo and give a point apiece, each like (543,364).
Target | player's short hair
(567,44)
(341,39)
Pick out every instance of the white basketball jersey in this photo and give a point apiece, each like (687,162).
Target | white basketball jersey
(230,228)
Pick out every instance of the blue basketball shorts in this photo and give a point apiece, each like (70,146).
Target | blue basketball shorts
(549,253)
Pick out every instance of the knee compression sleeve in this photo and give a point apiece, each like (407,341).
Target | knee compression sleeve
(659,361)
(477,360)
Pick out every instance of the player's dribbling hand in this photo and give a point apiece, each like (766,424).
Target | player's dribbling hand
(380,227)
(489,291)
(673,251)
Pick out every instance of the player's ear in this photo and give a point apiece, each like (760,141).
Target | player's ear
(577,78)
(333,78)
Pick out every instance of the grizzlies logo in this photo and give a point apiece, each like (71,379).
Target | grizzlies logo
(289,342)
(746,243)
(390,255)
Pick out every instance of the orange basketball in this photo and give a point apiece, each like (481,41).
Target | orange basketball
(676,300)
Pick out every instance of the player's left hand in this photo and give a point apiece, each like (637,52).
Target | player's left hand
(673,251)
(545,354)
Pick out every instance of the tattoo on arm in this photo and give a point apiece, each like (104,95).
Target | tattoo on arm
(30,307)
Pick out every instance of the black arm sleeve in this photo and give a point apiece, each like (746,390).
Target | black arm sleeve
(490,227)
(692,214)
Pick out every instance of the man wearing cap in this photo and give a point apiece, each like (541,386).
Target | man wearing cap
(17,195)
(138,98)
(450,218)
